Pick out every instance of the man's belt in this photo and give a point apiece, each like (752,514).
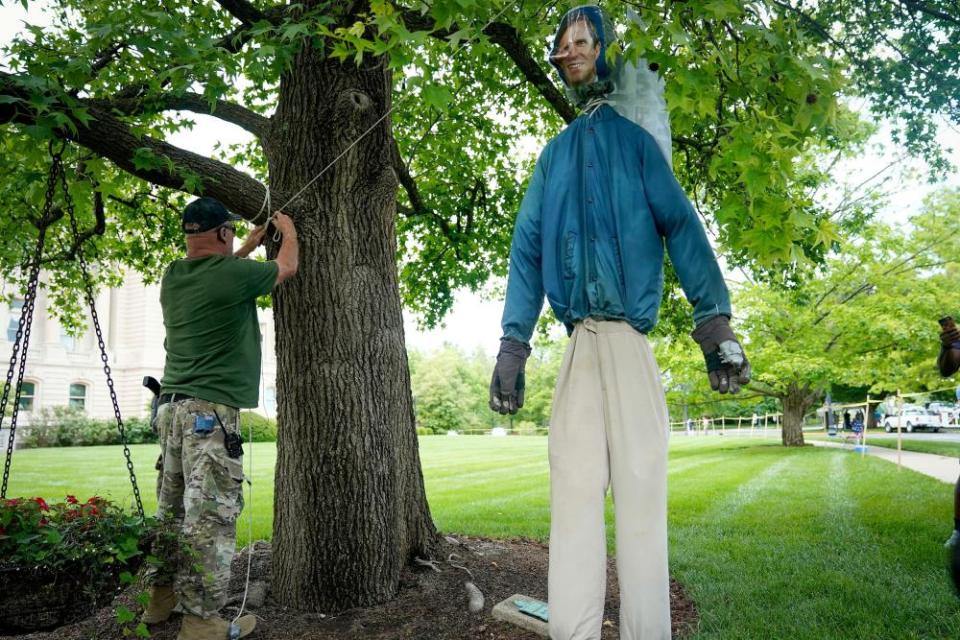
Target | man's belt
(174,397)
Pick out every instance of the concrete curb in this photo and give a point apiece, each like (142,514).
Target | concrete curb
(506,611)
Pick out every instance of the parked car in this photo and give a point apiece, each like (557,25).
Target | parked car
(946,410)
(913,417)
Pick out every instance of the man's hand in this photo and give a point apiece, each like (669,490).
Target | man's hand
(284,224)
(253,240)
(727,365)
(506,387)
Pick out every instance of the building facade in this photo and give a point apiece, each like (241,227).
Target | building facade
(63,370)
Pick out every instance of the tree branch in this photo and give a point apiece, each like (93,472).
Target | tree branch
(417,206)
(737,398)
(110,138)
(923,7)
(242,11)
(98,229)
(105,57)
(508,38)
(762,390)
(227,111)
(409,184)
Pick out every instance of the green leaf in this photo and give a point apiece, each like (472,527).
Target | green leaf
(124,615)
(144,159)
(436,96)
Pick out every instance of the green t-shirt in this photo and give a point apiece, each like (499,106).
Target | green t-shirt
(213,337)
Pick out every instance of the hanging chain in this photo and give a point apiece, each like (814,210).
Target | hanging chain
(88,287)
(22,339)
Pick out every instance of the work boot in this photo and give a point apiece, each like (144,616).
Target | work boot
(197,628)
(952,540)
(162,602)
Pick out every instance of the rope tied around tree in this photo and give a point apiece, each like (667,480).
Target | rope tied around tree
(56,178)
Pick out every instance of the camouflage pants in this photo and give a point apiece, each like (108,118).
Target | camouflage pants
(200,495)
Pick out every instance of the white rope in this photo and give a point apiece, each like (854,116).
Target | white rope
(595,103)
(246,584)
(249,504)
(271,213)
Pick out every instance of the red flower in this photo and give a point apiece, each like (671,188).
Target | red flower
(43,522)
(42,503)
(94,500)
(72,500)
(12,503)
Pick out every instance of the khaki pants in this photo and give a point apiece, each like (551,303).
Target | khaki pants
(609,426)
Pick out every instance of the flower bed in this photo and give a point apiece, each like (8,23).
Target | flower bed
(60,562)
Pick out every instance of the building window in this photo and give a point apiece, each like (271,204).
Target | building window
(270,400)
(16,310)
(68,341)
(78,396)
(27,394)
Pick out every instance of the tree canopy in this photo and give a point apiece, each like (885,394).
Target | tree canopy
(751,87)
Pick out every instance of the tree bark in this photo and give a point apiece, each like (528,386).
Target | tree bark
(795,404)
(871,416)
(349,507)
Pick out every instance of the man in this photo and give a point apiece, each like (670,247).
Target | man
(949,362)
(590,234)
(212,371)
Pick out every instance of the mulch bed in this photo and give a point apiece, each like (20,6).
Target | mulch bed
(429,606)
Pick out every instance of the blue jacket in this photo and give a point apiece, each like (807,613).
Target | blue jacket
(591,230)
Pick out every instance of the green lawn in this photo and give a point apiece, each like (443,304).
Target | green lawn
(882,439)
(771,543)
(923,446)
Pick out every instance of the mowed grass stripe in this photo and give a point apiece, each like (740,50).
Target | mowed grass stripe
(696,491)
(684,465)
(810,568)
(770,542)
(731,564)
(487,478)
(505,496)
(895,508)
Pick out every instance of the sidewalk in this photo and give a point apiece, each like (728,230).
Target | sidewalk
(943,468)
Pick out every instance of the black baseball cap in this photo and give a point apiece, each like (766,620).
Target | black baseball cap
(204,214)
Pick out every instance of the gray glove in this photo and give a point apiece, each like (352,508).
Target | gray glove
(949,358)
(727,365)
(506,387)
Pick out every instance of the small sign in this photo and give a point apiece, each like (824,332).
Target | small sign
(525,615)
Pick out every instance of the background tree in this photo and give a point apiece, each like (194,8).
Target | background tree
(344,101)
(868,317)
(445,391)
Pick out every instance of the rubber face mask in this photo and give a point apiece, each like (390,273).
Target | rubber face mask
(576,54)
(586,23)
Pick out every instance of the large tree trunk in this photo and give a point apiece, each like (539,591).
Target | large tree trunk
(795,404)
(349,508)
